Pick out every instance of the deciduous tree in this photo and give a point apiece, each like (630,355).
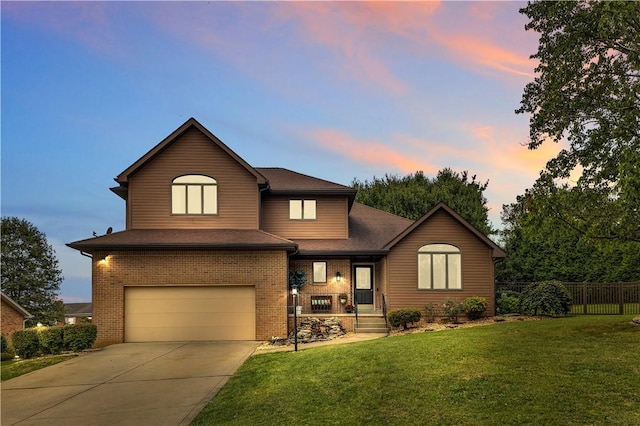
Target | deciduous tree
(30,272)
(587,91)
(413,195)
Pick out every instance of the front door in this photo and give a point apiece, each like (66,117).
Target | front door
(364,286)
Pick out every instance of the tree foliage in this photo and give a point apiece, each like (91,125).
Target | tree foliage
(587,90)
(414,195)
(542,247)
(30,272)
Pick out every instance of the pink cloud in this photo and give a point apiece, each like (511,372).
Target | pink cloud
(368,151)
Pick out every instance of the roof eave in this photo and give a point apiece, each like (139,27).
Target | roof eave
(90,248)
(315,253)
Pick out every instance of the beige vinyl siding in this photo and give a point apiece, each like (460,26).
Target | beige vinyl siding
(149,204)
(331,218)
(402,262)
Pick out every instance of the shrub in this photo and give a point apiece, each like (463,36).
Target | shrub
(402,317)
(475,307)
(545,298)
(4,345)
(25,343)
(507,303)
(451,309)
(430,312)
(50,339)
(6,356)
(78,337)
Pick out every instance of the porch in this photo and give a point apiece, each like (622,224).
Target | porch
(354,318)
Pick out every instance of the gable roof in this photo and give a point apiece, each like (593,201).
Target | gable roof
(496,250)
(15,305)
(150,239)
(123,178)
(77,309)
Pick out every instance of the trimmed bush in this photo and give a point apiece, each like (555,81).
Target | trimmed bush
(4,345)
(78,337)
(403,317)
(51,340)
(26,343)
(545,298)
(508,303)
(451,310)
(430,312)
(475,307)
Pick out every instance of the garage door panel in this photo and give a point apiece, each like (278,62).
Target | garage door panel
(189,313)
(178,306)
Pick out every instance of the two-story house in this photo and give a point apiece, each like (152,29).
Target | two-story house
(210,241)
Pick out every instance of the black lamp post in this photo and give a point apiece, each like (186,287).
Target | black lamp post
(294,293)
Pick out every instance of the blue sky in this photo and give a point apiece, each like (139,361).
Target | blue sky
(334,90)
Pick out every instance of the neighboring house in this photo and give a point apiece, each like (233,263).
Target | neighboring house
(13,315)
(76,313)
(210,241)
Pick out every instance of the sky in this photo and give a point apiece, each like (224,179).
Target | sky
(335,90)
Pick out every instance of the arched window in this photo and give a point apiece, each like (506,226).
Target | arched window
(439,267)
(194,194)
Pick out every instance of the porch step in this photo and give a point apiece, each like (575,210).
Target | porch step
(371,325)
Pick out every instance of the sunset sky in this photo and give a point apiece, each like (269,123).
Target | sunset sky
(334,90)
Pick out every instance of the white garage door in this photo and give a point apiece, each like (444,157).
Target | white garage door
(167,314)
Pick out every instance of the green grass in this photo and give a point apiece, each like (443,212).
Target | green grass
(567,371)
(13,368)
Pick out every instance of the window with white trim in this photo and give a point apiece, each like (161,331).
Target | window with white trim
(302,209)
(439,267)
(319,272)
(194,194)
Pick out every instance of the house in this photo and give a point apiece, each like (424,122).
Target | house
(14,316)
(76,313)
(210,240)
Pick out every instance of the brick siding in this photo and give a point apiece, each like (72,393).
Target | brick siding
(12,320)
(266,270)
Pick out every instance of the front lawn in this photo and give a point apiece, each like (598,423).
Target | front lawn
(568,371)
(15,368)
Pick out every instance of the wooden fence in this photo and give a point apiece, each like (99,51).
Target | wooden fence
(593,298)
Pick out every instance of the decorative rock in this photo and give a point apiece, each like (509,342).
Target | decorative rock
(313,330)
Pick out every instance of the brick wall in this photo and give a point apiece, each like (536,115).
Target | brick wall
(12,320)
(266,270)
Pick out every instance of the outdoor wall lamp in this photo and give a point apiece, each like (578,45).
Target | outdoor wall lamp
(103,260)
(338,276)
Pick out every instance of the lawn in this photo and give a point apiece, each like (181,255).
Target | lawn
(11,369)
(567,371)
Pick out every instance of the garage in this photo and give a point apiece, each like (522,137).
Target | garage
(166,314)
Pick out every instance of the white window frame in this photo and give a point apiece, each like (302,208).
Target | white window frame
(439,267)
(194,195)
(302,209)
(319,272)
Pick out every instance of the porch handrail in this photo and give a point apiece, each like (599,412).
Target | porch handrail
(355,305)
(384,310)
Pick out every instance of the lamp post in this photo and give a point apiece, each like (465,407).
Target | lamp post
(294,293)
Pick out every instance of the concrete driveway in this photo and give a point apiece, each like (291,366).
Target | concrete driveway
(125,384)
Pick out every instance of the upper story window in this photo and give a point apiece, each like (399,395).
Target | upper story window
(302,209)
(194,194)
(439,267)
